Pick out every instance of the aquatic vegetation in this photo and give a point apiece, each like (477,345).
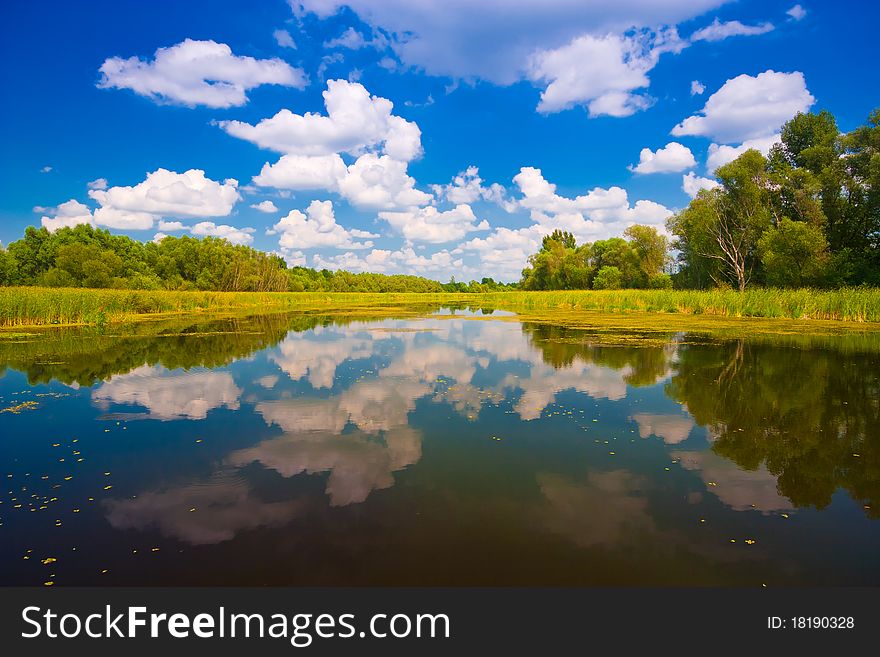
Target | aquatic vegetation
(36,306)
(33,306)
(846,304)
(18,408)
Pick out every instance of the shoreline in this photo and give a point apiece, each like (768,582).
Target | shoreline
(31,307)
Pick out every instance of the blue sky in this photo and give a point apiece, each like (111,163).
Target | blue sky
(404,135)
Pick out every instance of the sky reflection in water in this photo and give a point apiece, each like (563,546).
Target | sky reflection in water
(444,449)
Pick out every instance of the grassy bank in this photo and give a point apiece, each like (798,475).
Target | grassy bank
(32,306)
(35,306)
(852,304)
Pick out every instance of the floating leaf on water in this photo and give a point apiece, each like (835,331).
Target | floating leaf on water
(18,408)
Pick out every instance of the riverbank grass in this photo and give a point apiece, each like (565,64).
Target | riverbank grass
(35,306)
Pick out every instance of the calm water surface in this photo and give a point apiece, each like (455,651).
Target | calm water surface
(452,448)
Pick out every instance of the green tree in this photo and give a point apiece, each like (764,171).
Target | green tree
(618,254)
(559,265)
(562,237)
(608,278)
(7,267)
(84,256)
(723,225)
(86,265)
(793,254)
(809,141)
(651,248)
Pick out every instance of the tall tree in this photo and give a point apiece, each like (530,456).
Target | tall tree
(725,224)
(652,250)
(793,254)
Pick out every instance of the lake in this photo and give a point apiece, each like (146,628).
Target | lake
(437,446)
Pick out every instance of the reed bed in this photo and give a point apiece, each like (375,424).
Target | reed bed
(847,304)
(34,306)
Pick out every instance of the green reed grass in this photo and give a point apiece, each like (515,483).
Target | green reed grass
(847,304)
(34,306)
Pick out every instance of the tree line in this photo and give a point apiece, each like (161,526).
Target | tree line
(806,215)
(637,260)
(84,256)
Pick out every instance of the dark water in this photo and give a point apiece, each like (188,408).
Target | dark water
(465,449)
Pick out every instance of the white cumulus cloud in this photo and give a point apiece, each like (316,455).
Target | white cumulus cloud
(302,172)
(371,182)
(355,123)
(467,187)
(402,261)
(164,193)
(603,73)
(672,158)
(692,183)
(265,206)
(170,226)
(67,215)
(381,182)
(748,107)
(505,251)
(194,73)
(317,228)
(230,233)
(721,154)
(430,225)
